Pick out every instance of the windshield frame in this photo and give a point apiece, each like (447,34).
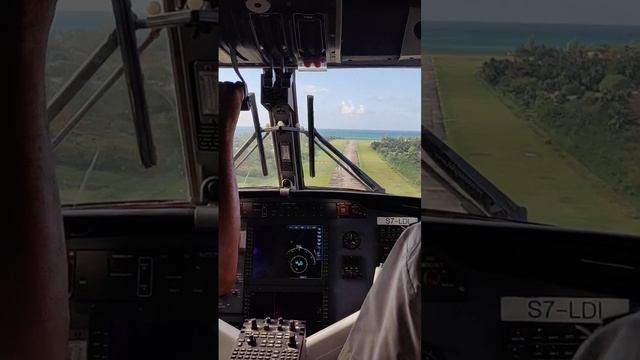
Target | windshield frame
(99,58)
(365,178)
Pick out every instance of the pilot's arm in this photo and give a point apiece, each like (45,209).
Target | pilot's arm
(33,266)
(231,96)
(618,340)
(389,323)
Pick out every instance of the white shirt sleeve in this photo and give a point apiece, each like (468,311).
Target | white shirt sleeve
(389,325)
(619,340)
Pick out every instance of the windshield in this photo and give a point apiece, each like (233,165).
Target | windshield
(372,116)
(545,105)
(98,161)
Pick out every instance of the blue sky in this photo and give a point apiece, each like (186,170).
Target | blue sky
(371,99)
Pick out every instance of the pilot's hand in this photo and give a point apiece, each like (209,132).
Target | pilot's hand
(230,100)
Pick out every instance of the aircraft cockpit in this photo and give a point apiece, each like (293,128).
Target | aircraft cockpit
(319,180)
(133,98)
(321,207)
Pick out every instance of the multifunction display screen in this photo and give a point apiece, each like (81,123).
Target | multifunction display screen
(287,251)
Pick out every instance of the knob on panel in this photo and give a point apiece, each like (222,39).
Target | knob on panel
(351,240)
(287,342)
(252,341)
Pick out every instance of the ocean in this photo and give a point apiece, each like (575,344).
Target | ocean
(351,133)
(67,20)
(478,37)
(444,36)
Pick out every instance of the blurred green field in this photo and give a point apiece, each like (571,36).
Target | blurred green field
(519,158)
(324,165)
(249,174)
(114,186)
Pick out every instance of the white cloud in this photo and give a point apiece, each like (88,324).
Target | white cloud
(384,98)
(349,108)
(314,90)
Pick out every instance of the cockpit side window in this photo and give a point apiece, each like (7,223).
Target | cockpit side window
(93,135)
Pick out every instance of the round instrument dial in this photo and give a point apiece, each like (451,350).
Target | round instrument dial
(351,240)
(300,259)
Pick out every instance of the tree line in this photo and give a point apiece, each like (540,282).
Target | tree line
(402,154)
(605,76)
(587,98)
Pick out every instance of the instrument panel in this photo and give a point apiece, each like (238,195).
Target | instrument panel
(536,303)
(497,316)
(142,284)
(312,258)
(285,252)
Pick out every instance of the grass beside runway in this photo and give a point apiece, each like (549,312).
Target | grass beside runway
(519,158)
(380,170)
(370,162)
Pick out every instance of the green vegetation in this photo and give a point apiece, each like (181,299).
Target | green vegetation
(521,160)
(106,133)
(403,154)
(582,97)
(249,174)
(324,165)
(383,173)
(99,162)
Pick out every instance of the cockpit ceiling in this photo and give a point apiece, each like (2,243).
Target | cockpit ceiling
(339,33)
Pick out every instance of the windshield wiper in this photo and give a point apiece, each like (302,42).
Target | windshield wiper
(445,214)
(347,164)
(124,37)
(324,145)
(87,174)
(493,201)
(95,97)
(82,75)
(444,194)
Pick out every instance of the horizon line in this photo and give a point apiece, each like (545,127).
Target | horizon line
(249,126)
(427,20)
